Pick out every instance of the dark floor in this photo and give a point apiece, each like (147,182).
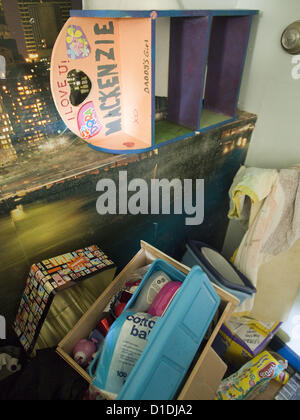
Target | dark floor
(46,377)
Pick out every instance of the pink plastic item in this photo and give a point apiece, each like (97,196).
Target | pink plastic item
(164,298)
(83,351)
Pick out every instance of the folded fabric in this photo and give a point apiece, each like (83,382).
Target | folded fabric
(252,183)
(286,222)
(273,224)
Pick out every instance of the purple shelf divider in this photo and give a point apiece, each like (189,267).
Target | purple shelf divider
(189,38)
(206,60)
(228,46)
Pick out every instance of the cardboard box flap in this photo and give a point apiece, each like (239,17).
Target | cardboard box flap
(206,378)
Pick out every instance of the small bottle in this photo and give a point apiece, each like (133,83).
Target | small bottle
(105,323)
(150,290)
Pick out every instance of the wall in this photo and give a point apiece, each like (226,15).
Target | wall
(158,4)
(269,89)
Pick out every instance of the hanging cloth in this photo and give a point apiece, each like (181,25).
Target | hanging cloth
(269,202)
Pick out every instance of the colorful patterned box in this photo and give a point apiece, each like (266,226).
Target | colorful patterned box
(51,277)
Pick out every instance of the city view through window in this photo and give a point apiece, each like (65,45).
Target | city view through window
(35,145)
(29,122)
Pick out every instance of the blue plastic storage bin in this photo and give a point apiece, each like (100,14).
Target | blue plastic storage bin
(175,338)
(220,271)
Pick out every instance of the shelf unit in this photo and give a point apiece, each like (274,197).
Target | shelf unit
(207,52)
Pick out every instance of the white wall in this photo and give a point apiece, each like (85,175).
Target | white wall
(159,4)
(163,26)
(269,89)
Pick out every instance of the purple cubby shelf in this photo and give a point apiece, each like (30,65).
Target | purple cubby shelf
(188,55)
(228,45)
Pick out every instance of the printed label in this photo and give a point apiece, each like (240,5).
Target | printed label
(77,264)
(129,347)
(108,79)
(156,287)
(88,122)
(268,371)
(147,67)
(252,334)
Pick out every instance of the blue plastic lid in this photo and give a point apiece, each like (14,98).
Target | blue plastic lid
(175,338)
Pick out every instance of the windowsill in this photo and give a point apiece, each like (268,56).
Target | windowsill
(73,160)
(65,162)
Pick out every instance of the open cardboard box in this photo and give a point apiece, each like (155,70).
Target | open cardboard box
(208,371)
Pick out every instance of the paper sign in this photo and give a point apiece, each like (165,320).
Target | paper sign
(114,57)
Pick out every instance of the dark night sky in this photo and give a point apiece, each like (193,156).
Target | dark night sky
(12,17)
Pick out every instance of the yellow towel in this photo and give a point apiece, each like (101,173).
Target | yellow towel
(252,183)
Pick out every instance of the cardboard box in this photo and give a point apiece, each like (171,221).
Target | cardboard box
(206,374)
